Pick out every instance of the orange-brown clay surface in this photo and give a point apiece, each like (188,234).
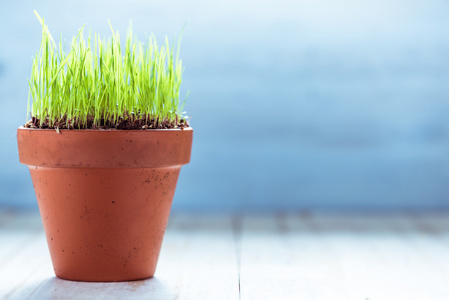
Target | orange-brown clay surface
(104,197)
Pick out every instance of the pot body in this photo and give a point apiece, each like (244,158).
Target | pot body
(104,197)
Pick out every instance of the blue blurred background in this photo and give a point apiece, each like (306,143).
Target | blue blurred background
(295,104)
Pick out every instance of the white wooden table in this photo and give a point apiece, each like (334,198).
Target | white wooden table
(255,256)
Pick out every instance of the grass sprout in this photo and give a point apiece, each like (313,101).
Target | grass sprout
(104,84)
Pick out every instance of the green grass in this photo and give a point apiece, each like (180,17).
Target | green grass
(97,84)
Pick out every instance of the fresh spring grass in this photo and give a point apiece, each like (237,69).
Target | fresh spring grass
(97,84)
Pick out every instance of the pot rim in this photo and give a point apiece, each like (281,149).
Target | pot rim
(104,148)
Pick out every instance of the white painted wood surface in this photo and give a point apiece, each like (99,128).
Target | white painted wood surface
(255,256)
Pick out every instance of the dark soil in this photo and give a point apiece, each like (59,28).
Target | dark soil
(122,124)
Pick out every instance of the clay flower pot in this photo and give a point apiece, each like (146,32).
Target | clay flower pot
(104,196)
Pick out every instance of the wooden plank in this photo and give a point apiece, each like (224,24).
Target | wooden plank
(283,258)
(197,262)
(25,268)
(382,261)
(208,269)
(17,230)
(363,268)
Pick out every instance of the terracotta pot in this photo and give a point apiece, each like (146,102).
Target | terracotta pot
(104,196)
